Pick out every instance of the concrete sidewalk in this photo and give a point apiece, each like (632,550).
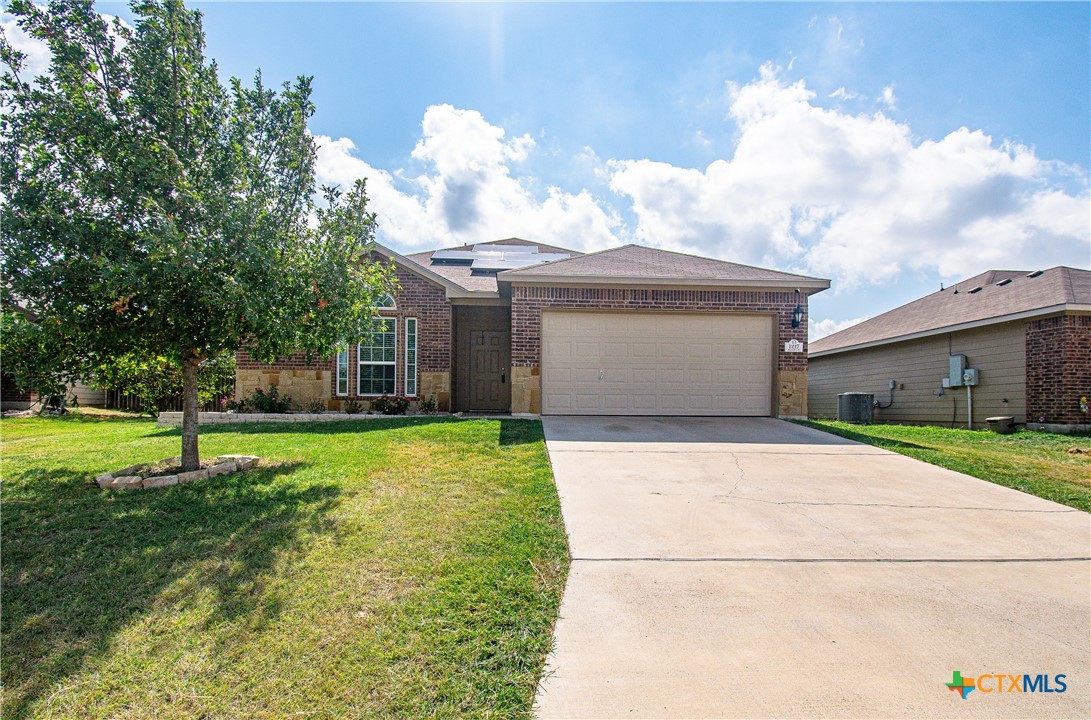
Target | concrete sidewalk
(755,568)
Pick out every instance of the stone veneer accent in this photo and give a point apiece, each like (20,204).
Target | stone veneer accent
(1059,371)
(416,298)
(526,324)
(526,390)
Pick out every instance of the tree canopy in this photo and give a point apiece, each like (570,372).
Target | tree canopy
(150,209)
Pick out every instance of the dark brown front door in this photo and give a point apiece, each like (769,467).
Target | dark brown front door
(490,376)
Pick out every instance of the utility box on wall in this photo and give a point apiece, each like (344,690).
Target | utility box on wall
(957,368)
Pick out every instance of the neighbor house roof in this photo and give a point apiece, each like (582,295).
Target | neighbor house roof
(638,265)
(991,297)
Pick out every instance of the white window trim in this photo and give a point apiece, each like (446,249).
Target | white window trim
(337,376)
(392,306)
(394,362)
(416,355)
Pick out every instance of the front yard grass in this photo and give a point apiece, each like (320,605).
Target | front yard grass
(383,568)
(1033,462)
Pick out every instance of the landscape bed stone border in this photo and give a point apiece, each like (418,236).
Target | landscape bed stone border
(134,477)
(169,419)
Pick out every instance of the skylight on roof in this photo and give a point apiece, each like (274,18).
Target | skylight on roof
(1005,281)
(976,289)
(494,258)
(1034,274)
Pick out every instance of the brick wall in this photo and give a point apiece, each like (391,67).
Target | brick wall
(1058,369)
(528,302)
(10,393)
(416,298)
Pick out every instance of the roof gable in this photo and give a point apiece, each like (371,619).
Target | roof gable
(990,296)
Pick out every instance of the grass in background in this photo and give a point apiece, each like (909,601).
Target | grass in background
(1034,462)
(380,568)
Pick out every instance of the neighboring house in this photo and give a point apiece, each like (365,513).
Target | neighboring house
(1027,333)
(13,397)
(513,326)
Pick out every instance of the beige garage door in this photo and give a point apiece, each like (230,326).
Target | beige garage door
(632,363)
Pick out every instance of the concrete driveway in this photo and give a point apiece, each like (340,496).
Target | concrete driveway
(756,568)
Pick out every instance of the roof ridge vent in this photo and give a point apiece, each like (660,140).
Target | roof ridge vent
(976,289)
(1034,274)
(1005,281)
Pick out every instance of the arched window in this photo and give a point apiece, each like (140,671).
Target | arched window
(385,302)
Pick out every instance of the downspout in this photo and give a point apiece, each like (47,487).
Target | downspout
(969,407)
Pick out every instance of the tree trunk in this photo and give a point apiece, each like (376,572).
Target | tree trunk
(191,459)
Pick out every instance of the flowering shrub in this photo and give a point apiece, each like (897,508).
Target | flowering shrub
(391,404)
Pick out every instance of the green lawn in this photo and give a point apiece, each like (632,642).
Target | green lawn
(1034,462)
(385,568)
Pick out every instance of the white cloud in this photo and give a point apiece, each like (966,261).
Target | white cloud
(822,328)
(888,97)
(856,197)
(38,56)
(470,190)
(842,94)
(37,52)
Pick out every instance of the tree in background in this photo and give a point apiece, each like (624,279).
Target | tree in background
(36,357)
(148,210)
(156,380)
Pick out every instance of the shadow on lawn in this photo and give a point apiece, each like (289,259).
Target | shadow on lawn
(332,427)
(513,431)
(78,571)
(863,437)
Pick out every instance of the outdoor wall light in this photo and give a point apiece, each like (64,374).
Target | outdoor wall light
(797,314)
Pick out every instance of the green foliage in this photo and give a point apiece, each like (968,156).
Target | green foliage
(147,207)
(265,401)
(38,356)
(428,405)
(155,380)
(390,404)
(315,405)
(352,406)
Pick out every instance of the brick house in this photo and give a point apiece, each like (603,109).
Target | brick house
(1027,333)
(513,326)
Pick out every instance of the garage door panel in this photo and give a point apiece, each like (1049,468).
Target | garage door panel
(613,401)
(656,363)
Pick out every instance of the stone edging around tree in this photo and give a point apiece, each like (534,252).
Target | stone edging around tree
(133,478)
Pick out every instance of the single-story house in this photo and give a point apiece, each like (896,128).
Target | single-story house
(515,326)
(13,397)
(1027,334)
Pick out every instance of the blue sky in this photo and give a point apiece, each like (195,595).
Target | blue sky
(887,146)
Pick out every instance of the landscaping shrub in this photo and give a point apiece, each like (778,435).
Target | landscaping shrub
(263,401)
(391,404)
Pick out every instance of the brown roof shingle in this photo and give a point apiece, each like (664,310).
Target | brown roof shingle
(645,263)
(958,304)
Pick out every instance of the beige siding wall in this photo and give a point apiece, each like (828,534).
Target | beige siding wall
(86,396)
(998,352)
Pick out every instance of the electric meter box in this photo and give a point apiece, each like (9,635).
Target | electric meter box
(958,368)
